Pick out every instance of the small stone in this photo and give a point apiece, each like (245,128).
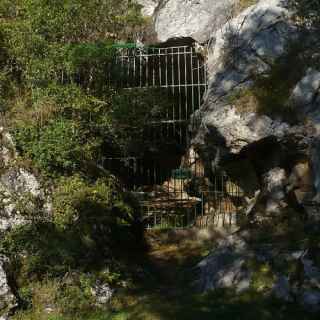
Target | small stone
(102,292)
(281,289)
(311,299)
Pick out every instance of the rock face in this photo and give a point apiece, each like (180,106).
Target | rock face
(237,130)
(195,19)
(16,184)
(244,48)
(18,190)
(230,266)
(7,298)
(283,155)
(248,44)
(226,266)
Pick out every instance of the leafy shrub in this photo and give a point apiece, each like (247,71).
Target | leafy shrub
(78,202)
(91,221)
(55,147)
(133,116)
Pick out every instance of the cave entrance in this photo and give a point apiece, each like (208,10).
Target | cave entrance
(160,168)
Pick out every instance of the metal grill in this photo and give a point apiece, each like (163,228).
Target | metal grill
(174,189)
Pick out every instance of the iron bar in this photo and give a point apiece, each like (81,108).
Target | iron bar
(166,202)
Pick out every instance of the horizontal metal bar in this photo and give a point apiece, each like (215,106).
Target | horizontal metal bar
(168,86)
(168,121)
(158,54)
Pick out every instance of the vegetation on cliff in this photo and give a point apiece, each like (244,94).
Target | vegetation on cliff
(64,117)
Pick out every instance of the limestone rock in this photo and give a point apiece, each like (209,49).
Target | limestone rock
(304,94)
(247,45)
(305,97)
(19,180)
(7,148)
(274,184)
(102,293)
(16,184)
(301,180)
(226,266)
(196,19)
(7,299)
(148,6)
(237,130)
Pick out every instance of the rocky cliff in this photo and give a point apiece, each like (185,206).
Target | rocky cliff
(20,190)
(260,123)
(188,19)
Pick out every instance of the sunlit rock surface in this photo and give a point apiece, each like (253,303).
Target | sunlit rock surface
(7,298)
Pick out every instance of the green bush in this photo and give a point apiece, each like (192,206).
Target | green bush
(56,147)
(91,221)
(77,202)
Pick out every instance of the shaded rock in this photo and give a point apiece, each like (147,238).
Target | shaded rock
(304,94)
(7,299)
(315,162)
(311,300)
(226,266)
(302,182)
(281,289)
(248,45)
(274,184)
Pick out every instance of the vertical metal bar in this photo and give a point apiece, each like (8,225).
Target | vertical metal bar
(185,95)
(192,80)
(122,72)
(134,68)
(202,206)
(166,85)
(205,70)
(179,93)
(173,84)
(147,69)
(185,83)
(199,83)
(160,69)
(140,67)
(128,67)
(153,67)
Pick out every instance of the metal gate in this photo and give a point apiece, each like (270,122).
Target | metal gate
(173,187)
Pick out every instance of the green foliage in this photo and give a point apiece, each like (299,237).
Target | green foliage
(131,114)
(90,222)
(56,147)
(76,202)
(70,298)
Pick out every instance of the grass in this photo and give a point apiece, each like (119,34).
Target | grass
(164,291)
(243,4)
